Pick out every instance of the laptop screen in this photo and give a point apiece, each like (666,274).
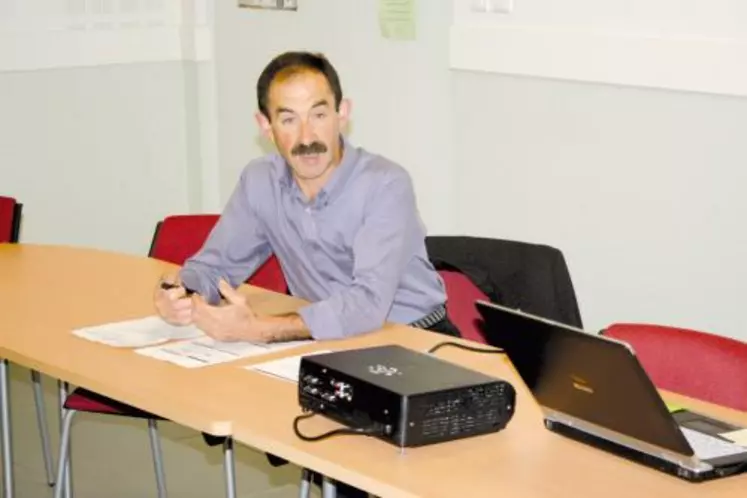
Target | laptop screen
(586,376)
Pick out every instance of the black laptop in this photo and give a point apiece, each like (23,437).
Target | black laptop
(593,389)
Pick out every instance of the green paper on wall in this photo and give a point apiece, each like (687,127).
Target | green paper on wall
(397,19)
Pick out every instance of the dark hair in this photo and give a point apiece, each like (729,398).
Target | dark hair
(296,61)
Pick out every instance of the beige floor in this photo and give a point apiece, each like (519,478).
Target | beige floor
(111,456)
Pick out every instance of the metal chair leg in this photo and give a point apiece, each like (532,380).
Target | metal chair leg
(67,482)
(155,446)
(62,461)
(6,432)
(228,467)
(304,491)
(41,420)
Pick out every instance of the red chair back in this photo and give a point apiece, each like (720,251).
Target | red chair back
(697,364)
(179,237)
(10,219)
(461,295)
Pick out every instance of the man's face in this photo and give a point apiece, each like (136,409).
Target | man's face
(304,124)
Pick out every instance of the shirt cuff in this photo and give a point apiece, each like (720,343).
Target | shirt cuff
(193,280)
(322,321)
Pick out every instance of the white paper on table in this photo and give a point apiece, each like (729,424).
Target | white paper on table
(206,351)
(137,333)
(283,368)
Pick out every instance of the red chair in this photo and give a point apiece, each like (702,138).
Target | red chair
(10,230)
(176,238)
(10,219)
(696,364)
(461,295)
(175,241)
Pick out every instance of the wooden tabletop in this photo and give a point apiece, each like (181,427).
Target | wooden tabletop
(47,291)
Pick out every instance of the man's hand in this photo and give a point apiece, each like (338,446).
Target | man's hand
(233,321)
(172,304)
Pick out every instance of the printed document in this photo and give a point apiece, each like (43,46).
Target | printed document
(205,351)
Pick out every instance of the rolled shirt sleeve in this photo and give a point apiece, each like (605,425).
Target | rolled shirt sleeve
(235,248)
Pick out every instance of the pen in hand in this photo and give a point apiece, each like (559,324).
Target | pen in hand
(169,285)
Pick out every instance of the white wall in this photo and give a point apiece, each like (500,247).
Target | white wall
(97,155)
(401,91)
(640,188)
(100,114)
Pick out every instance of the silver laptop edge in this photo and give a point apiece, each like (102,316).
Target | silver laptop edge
(692,464)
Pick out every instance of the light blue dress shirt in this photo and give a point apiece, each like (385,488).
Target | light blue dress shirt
(356,252)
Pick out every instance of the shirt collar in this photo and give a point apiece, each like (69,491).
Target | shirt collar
(337,179)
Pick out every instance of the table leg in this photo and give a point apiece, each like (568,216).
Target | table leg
(329,488)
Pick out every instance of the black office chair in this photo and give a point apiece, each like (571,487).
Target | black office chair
(532,277)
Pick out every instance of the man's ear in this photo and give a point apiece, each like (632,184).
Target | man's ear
(264,125)
(344,112)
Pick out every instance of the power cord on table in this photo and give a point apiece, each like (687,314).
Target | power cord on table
(465,347)
(361,431)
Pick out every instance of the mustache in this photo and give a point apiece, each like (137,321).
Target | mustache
(312,148)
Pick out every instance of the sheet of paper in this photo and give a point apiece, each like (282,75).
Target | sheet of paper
(739,436)
(206,351)
(397,19)
(137,333)
(283,368)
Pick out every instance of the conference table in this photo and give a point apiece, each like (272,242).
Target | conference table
(47,291)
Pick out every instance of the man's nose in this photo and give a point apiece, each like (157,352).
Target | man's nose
(307,134)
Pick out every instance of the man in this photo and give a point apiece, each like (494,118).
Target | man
(342,222)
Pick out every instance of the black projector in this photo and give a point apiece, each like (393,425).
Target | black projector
(405,397)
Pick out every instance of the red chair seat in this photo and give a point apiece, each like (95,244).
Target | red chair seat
(83,400)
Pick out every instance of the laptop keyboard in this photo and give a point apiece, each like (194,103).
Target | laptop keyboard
(706,447)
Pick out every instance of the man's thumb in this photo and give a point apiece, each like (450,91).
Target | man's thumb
(229,293)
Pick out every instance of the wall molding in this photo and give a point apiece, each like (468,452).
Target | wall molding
(33,50)
(707,65)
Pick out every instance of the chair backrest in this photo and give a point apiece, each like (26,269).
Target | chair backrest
(10,219)
(461,295)
(696,364)
(179,237)
(533,277)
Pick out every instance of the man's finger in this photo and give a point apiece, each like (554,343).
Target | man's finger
(176,293)
(181,304)
(232,295)
(183,317)
(203,314)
